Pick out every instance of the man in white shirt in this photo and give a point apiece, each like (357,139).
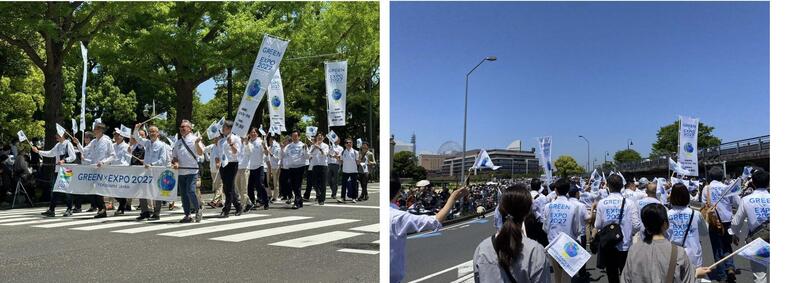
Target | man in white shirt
(99,152)
(216,182)
(156,153)
(255,179)
(318,160)
(185,155)
(720,242)
(273,154)
(608,212)
(123,158)
(562,215)
(755,208)
(349,162)
(295,158)
(227,159)
(367,161)
(62,152)
(243,174)
(334,157)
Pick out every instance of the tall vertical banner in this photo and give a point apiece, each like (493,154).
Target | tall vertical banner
(687,144)
(85,54)
(545,144)
(336,87)
(269,58)
(277,107)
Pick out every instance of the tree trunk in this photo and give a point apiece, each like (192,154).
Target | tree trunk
(53,96)
(184,91)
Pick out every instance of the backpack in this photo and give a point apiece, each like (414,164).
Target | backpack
(762,231)
(610,235)
(711,215)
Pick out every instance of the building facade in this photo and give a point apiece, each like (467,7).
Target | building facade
(511,162)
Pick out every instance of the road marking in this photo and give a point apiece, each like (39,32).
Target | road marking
(152,226)
(466,279)
(20,210)
(355,251)
(374,228)
(282,230)
(468,263)
(18,219)
(376,242)
(32,222)
(344,205)
(121,224)
(82,222)
(314,240)
(426,235)
(232,226)
(14,216)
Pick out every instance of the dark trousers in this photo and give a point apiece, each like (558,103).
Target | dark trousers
(296,182)
(721,247)
(54,196)
(283,179)
(349,185)
(309,184)
(97,202)
(228,188)
(255,183)
(363,179)
(123,202)
(318,180)
(615,264)
(332,178)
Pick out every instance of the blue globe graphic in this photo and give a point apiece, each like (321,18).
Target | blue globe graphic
(337,94)
(763,252)
(254,88)
(276,102)
(571,249)
(688,147)
(167,181)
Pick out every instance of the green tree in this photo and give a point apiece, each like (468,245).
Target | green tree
(48,32)
(21,97)
(667,139)
(567,166)
(627,155)
(405,166)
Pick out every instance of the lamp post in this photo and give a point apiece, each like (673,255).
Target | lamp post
(630,143)
(466,93)
(587,152)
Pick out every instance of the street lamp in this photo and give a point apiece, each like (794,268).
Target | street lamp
(464,141)
(630,143)
(587,152)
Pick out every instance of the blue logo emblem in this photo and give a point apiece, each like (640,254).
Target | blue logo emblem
(254,88)
(688,147)
(275,101)
(763,252)
(570,249)
(167,181)
(337,94)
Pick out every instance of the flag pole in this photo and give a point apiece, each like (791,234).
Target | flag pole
(731,255)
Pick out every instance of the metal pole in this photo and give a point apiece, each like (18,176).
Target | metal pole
(588,154)
(464,139)
(230,94)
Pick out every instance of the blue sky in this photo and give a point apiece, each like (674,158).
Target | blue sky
(608,71)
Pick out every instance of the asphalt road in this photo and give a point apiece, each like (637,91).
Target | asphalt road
(331,243)
(446,255)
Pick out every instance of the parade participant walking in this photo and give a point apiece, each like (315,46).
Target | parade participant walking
(404,223)
(122,158)
(273,151)
(508,255)
(156,153)
(650,192)
(350,165)
(216,181)
(656,259)
(318,154)
(334,157)
(684,224)
(62,152)
(99,152)
(367,161)
(228,161)
(615,209)
(283,176)
(255,181)
(756,209)
(296,158)
(243,174)
(715,193)
(584,217)
(561,216)
(185,158)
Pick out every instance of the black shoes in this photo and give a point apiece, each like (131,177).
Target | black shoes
(119,212)
(49,213)
(238,212)
(247,208)
(143,216)
(224,214)
(91,209)
(101,214)
(67,213)
(187,219)
(155,217)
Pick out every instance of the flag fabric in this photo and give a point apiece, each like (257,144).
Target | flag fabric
(687,144)
(747,172)
(311,132)
(274,129)
(267,62)
(21,136)
(568,253)
(332,137)
(215,129)
(358,143)
(124,131)
(336,89)
(483,161)
(96,121)
(675,180)
(277,107)
(758,251)
(677,168)
(735,188)
(162,116)
(60,130)
(85,55)
(74,127)
(261,130)
(545,147)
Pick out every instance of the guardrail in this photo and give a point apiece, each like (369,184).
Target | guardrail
(730,150)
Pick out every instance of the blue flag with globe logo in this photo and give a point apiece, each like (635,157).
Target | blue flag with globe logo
(266,65)
(687,144)
(758,251)
(277,107)
(568,253)
(336,88)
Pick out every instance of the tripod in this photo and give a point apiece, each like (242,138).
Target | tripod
(21,189)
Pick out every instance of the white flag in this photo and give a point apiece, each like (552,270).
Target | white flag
(677,168)
(96,121)
(687,144)
(124,131)
(483,161)
(277,106)
(162,116)
(758,251)
(215,129)
(311,132)
(60,130)
(735,188)
(545,147)
(332,137)
(358,143)
(269,58)
(336,89)
(568,253)
(74,127)
(747,172)
(21,136)
(261,130)
(85,55)
(274,130)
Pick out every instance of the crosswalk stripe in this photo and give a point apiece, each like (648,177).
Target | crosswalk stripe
(374,228)
(82,222)
(32,222)
(121,224)
(13,216)
(376,242)
(164,226)
(17,219)
(346,205)
(21,210)
(282,230)
(357,251)
(232,226)
(314,240)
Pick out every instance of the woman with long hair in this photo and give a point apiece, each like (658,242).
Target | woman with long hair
(509,255)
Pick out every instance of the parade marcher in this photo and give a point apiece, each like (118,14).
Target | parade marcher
(684,224)
(334,156)
(255,181)
(216,181)
(228,161)
(650,196)
(756,209)
(721,241)
(296,159)
(63,152)
(274,158)
(534,222)
(367,161)
(318,160)
(562,216)
(156,153)
(283,177)
(350,165)
(632,192)
(243,174)
(122,158)
(608,212)
(185,155)
(584,217)
(404,223)
(99,152)
(656,259)
(509,255)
